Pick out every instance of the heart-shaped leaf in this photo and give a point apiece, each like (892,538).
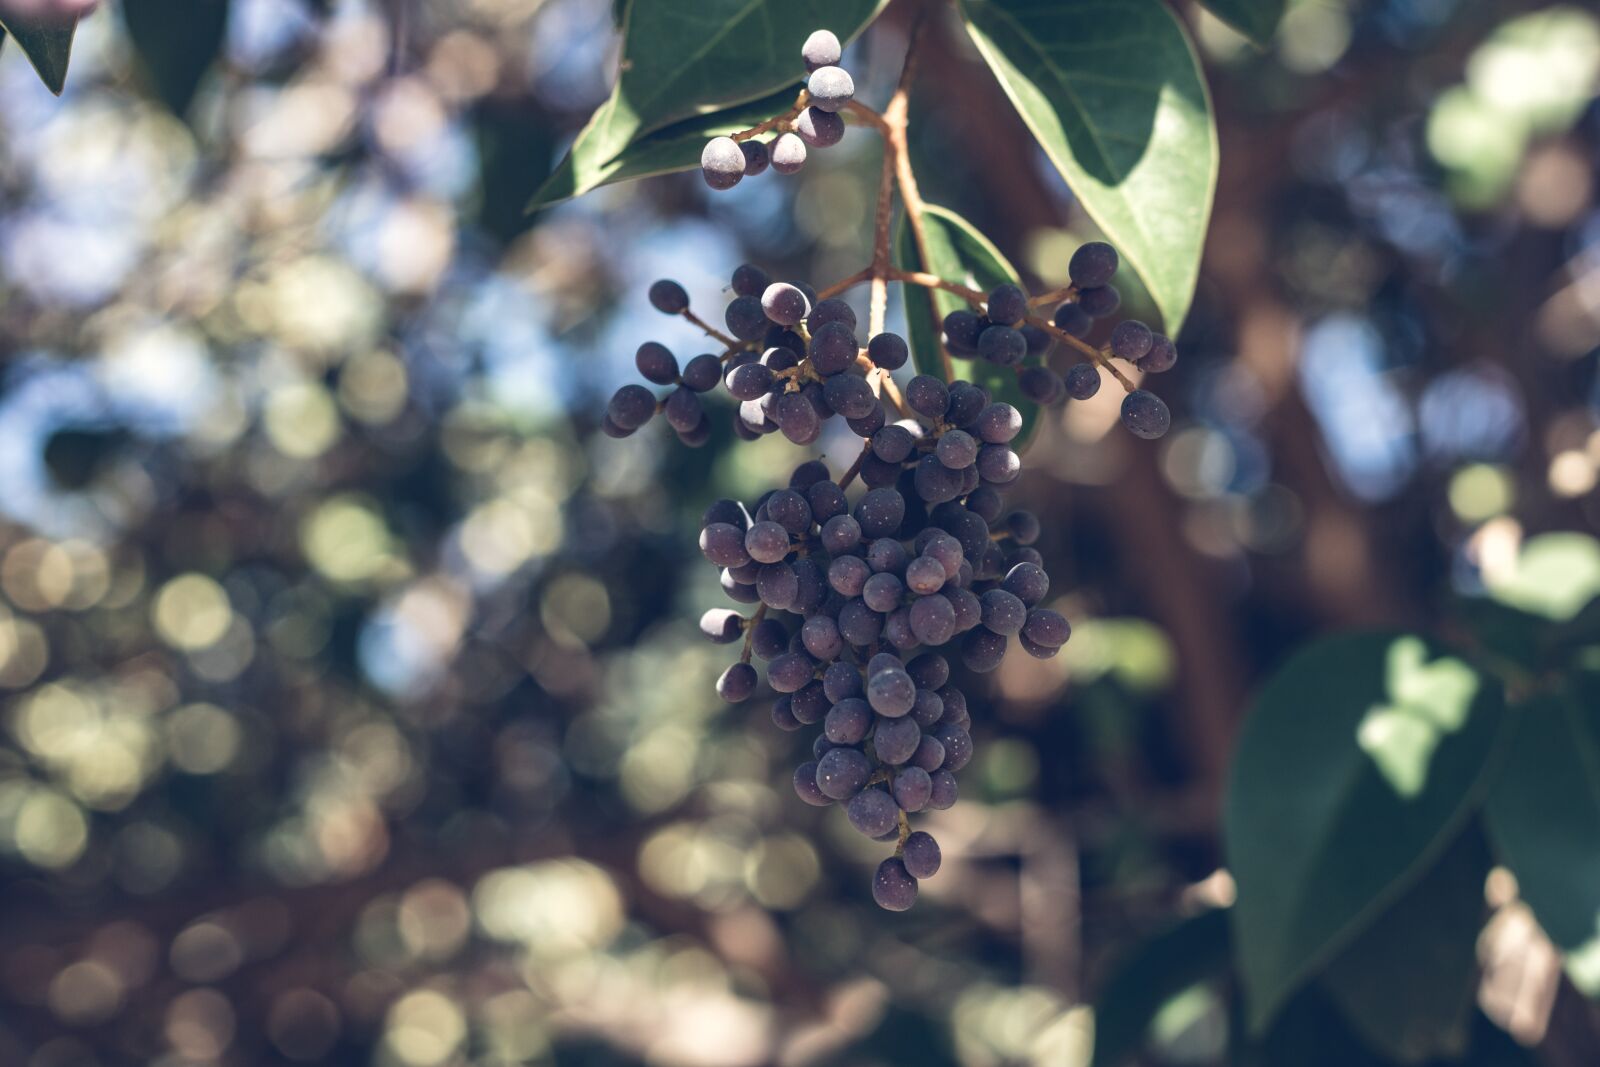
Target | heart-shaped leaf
(958,253)
(47,42)
(1543,816)
(675,148)
(683,60)
(1356,768)
(1114,95)
(1256,19)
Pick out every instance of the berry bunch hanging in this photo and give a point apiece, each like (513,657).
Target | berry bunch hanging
(867,589)
(814,121)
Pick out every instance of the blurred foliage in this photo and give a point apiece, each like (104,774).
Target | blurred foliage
(355,709)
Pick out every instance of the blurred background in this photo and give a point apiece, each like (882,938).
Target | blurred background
(355,710)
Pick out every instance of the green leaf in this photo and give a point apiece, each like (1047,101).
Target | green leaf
(1555,575)
(957,253)
(1165,966)
(177,41)
(1406,984)
(47,43)
(685,60)
(1114,95)
(1256,19)
(1357,766)
(672,149)
(1312,1033)
(1543,816)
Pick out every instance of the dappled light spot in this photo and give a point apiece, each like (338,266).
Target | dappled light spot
(303,1024)
(86,993)
(345,538)
(205,951)
(49,830)
(191,612)
(1427,702)
(424,1029)
(200,1024)
(1553,575)
(554,909)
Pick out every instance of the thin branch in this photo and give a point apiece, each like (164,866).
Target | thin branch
(972,296)
(878,304)
(897,145)
(750,632)
(1054,296)
(712,331)
(846,283)
(776,122)
(855,468)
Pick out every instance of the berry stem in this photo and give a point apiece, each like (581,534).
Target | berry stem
(750,632)
(878,305)
(975,298)
(896,145)
(855,468)
(1054,296)
(867,115)
(933,281)
(776,122)
(846,283)
(887,385)
(711,331)
(1082,346)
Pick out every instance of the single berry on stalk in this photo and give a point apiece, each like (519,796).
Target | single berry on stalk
(722,162)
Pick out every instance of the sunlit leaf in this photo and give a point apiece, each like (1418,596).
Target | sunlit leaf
(1543,816)
(958,253)
(685,60)
(672,149)
(1355,769)
(1114,95)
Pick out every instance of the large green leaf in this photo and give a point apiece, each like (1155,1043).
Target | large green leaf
(1360,762)
(672,149)
(681,60)
(47,43)
(958,253)
(1165,966)
(1406,983)
(1543,816)
(1114,95)
(1256,19)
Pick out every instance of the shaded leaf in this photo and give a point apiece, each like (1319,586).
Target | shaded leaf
(1256,19)
(1357,766)
(1543,817)
(960,254)
(1406,984)
(177,41)
(673,149)
(47,43)
(1114,95)
(684,60)
(1161,968)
